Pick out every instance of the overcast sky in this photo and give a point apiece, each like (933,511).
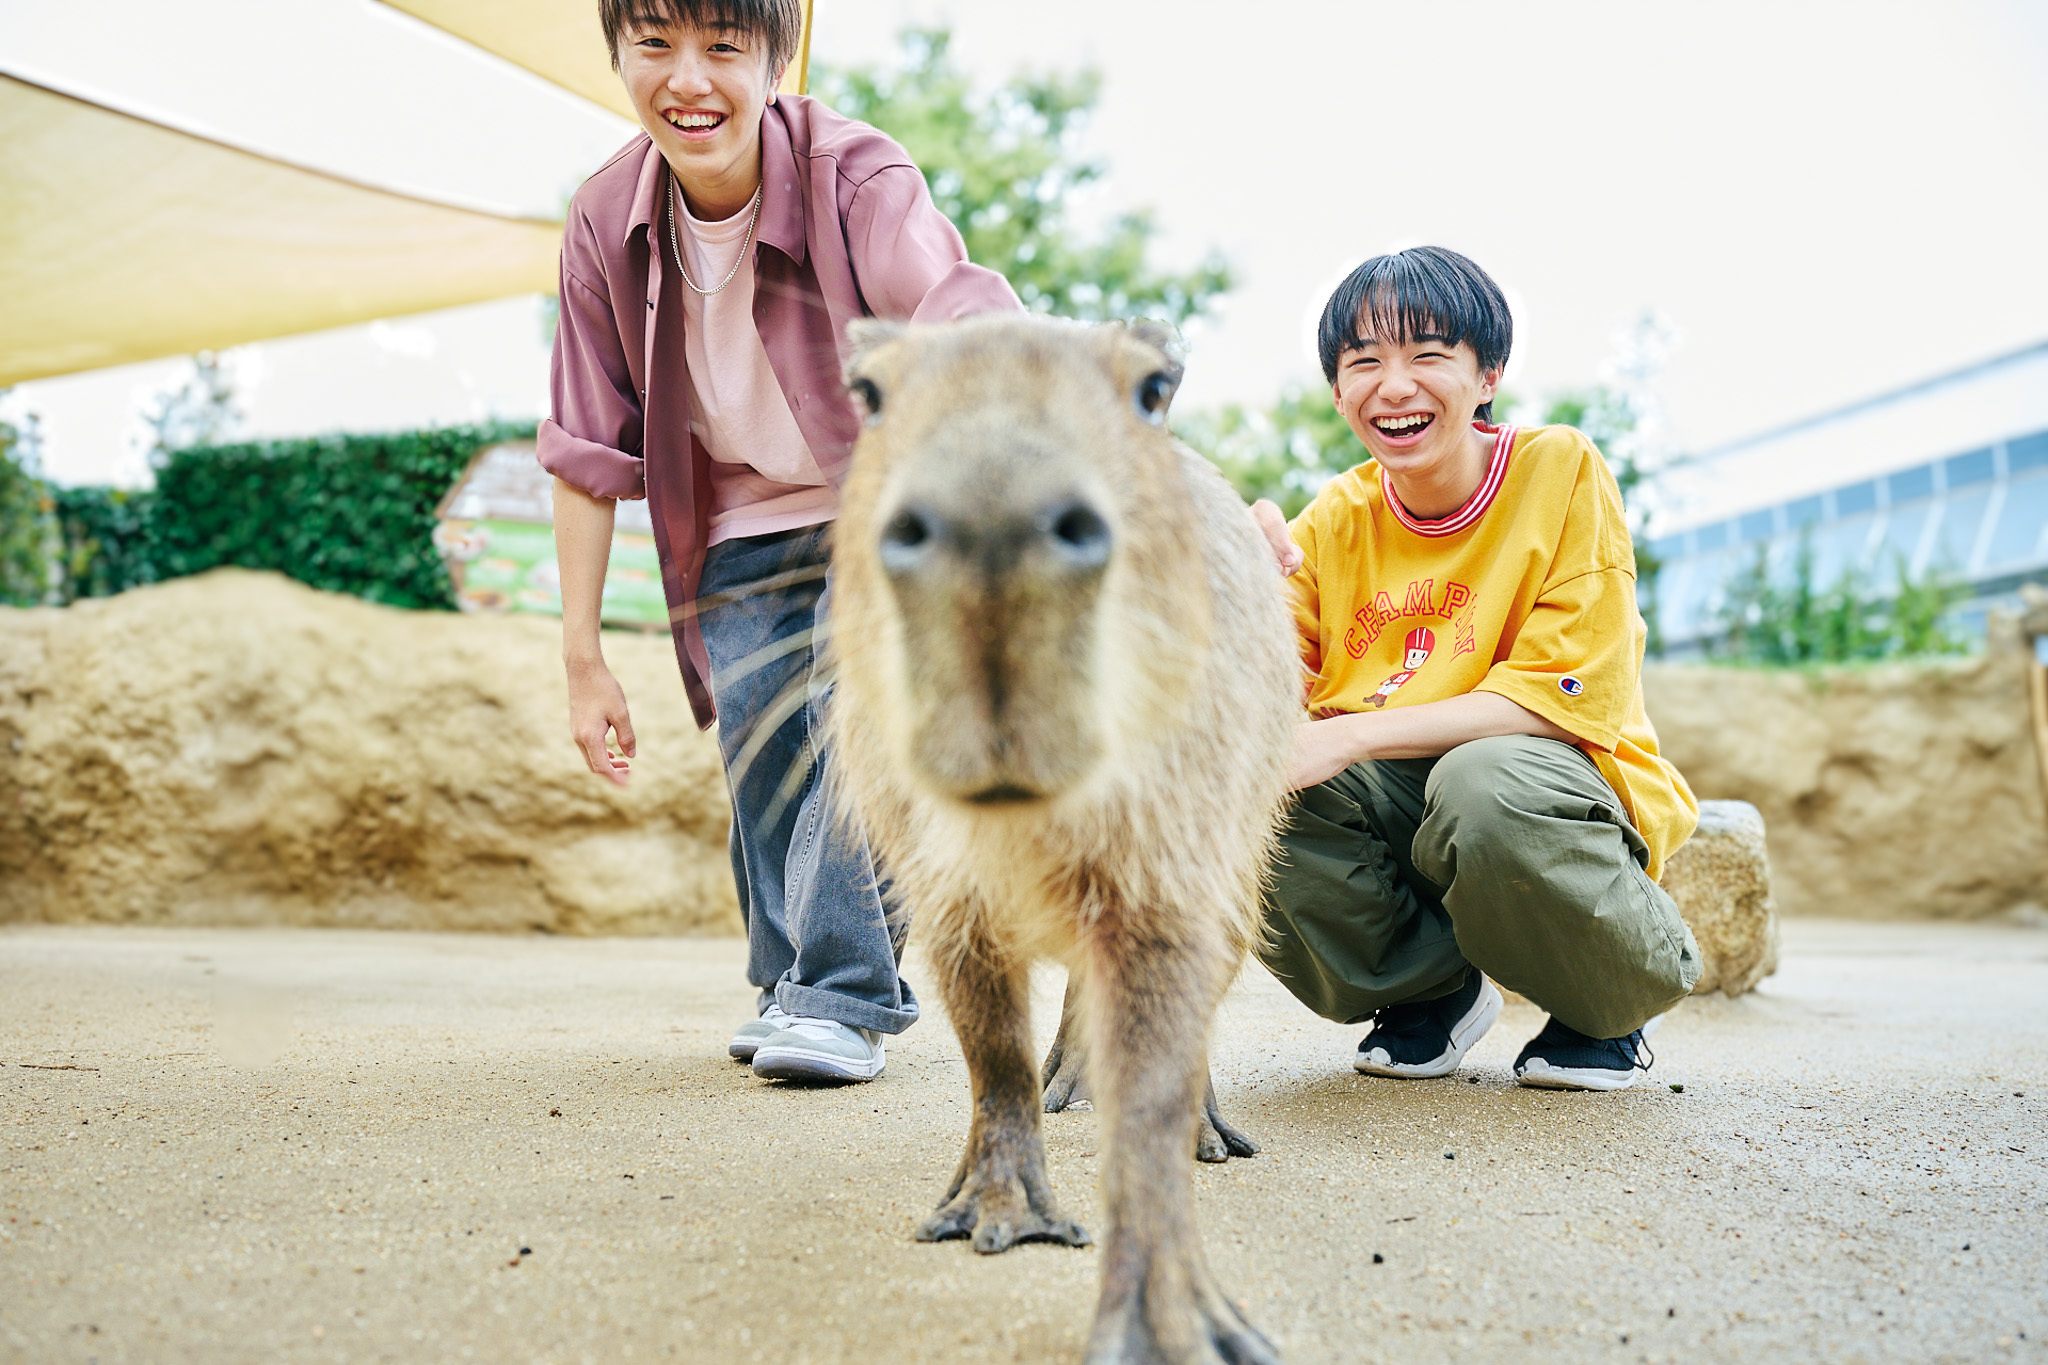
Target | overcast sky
(1825,199)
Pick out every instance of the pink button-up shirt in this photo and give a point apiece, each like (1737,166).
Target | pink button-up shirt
(850,231)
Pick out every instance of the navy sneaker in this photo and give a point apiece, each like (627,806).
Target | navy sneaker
(1561,1058)
(1430,1038)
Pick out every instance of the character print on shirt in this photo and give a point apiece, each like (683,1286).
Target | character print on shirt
(1420,641)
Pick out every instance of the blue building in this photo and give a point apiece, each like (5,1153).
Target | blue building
(1948,475)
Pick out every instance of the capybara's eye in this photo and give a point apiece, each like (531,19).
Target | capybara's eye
(1154,390)
(870,397)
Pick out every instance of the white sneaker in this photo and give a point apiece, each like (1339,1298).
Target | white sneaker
(750,1034)
(807,1049)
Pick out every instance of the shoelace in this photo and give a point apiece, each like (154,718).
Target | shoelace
(1639,1049)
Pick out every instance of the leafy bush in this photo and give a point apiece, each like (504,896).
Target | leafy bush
(351,514)
(105,540)
(24,523)
(1769,619)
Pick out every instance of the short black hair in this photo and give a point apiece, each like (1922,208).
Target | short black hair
(778,22)
(1425,291)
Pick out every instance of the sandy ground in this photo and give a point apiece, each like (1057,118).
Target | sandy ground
(229,1145)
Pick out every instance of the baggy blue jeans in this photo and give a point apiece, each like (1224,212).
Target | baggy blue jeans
(818,940)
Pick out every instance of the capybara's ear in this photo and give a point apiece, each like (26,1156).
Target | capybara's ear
(1161,368)
(1164,338)
(864,338)
(866,335)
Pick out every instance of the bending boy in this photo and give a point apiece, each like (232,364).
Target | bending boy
(708,274)
(1479,791)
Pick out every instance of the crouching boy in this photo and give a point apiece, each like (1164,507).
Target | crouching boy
(1479,793)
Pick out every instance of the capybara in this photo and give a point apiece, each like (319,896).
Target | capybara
(1067,694)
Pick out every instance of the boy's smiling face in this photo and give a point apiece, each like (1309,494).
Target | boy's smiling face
(1411,402)
(699,93)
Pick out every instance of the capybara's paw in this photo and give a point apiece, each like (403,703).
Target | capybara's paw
(1216,1139)
(1065,1082)
(998,1216)
(1202,1329)
(1061,1077)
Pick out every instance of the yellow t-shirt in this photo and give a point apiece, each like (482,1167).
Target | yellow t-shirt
(1528,590)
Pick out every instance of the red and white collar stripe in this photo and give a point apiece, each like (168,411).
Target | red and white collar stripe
(1476,505)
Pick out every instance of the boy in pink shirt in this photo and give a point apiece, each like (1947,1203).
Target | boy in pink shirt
(708,274)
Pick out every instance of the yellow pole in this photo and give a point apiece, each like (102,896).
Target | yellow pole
(797,79)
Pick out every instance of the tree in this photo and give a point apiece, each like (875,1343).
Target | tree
(1003,167)
(1622,416)
(199,412)
(1286,452)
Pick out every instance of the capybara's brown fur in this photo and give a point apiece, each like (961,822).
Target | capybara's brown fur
(1067,694)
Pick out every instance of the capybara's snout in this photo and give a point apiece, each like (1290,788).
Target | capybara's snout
(1013,538)
(996,599)
(925,547)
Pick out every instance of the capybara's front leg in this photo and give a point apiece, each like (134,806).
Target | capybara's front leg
(999,1195)
(1065,1080)
(1147,1027)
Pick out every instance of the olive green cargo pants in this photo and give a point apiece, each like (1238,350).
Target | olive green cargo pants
(1511,855)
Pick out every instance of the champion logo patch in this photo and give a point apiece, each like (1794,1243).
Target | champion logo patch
(1570,686)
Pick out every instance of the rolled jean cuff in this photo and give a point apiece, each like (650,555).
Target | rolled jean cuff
(844,1009)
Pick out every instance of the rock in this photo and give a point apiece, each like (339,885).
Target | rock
(237,748)
(1721,879)
(1890,791)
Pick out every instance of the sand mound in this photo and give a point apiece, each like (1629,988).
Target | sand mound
(238,748)
(1887,792)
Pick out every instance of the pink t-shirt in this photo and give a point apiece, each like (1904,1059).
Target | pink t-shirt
(763,476)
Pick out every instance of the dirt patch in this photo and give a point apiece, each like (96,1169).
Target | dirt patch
(1887,792)
(238,748)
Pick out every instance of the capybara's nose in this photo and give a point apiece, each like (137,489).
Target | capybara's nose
(1078,533)
(910,539)
(1067,533)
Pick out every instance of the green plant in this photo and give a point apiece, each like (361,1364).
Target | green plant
(25,529)
(1790,619)
(351,514)
(1003,167)
(1284,453)
(105,535)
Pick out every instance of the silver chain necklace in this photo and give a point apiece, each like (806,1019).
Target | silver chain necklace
(675,211)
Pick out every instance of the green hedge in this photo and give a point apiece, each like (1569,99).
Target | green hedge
(351,514)
(24,528)
(105,538)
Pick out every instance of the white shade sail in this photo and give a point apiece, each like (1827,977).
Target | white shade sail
(559,40)
(123,240)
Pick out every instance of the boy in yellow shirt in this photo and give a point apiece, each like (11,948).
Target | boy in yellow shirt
(1479,793)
